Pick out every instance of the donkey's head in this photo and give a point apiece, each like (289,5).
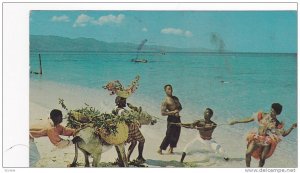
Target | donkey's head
(144,118)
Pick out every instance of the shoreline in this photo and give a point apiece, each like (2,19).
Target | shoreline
(44,97)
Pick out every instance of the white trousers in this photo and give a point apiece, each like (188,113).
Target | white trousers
(212,145)
(34,155)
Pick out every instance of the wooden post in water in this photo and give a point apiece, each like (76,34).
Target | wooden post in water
(40,59)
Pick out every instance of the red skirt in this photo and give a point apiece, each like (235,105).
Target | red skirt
(262,139)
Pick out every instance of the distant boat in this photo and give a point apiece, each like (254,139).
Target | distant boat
(138,60)
(162,53)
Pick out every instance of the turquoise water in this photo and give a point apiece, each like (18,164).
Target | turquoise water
(252,81)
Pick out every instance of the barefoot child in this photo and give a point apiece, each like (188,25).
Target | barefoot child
(205,127)
(52,129)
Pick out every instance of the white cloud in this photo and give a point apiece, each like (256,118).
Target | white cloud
(188,33)
(145,29)
(176,31)
(62,18)
(171,31)
(82,20)
(109,19)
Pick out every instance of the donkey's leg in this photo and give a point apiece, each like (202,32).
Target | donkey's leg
(73,164)
(86,157)
(119,160)
(96,160)
(122,154)
(130,149)
(97,157)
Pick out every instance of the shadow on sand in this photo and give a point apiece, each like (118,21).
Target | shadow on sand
(162,163)
(201,163)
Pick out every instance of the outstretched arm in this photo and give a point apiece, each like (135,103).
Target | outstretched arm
(37,133)
(285,133)
(195,125)
(246,120)
(68,131)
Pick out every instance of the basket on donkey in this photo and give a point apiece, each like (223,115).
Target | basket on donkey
(119,128)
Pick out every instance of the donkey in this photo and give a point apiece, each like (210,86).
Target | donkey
(93,145)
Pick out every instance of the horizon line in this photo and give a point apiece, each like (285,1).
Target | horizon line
(134,52)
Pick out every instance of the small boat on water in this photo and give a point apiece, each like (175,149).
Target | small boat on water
(139,60)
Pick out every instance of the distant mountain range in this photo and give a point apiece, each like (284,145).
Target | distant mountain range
(41,43)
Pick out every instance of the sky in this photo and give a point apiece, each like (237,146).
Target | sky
(235,31)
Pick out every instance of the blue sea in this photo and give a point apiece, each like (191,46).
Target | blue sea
(234,85)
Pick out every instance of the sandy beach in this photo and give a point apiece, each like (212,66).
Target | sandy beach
(44,96)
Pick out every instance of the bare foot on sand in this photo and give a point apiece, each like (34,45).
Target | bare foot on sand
(140,160)
(171,151)
(159,151)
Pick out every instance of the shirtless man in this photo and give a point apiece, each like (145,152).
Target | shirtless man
(262,144)
(205,127)
(171,108)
